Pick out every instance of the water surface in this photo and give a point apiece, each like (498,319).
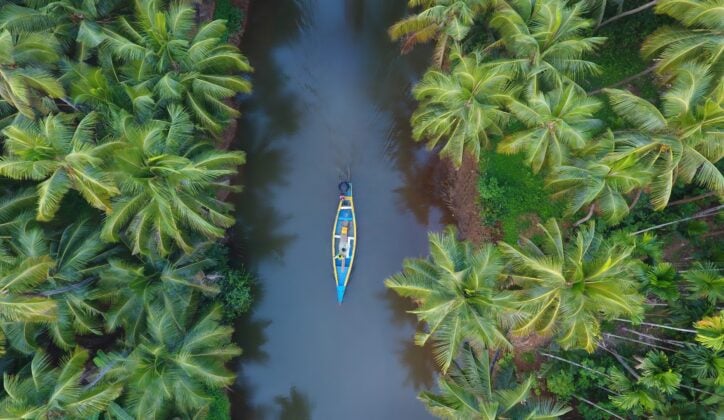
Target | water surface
(331,97)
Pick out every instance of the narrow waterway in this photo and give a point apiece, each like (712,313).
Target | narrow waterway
(331,97)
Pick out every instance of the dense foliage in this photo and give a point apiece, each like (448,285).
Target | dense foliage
(624,323)
(112,186)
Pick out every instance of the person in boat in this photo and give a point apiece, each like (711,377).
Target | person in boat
(342,254)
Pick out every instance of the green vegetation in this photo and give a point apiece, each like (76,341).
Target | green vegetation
(503,177)
(110,178)
(614,305)
(233,16)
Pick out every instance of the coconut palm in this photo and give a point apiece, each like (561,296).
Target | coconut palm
(21,273)
(598,180)
(129,289)
(700,37)
(457,295)
(26,81)
(440,20)
(683,141)
(463,106)
(173,366)
(42,391)
(164,58)
(168,182)
(81,21)
(566,288)
(545,40)
(474,391)
(554,122)
(61,155)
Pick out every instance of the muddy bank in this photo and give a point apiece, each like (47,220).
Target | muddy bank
(458,189)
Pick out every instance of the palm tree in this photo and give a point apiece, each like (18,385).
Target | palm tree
(61,155)
(173,366)
(710,331)
(79,256)
(463,106)
(567,288)
(456,291)
(25,78)
(544,40)
(21,272)
(701,38)
(702,363)
(130,289)
(657,373)
(41,391)
(168,182)
(633,396)
(703,281)
(554,122)
(472,391)
(598,179)
(440,20)
(681,142)
(163,58)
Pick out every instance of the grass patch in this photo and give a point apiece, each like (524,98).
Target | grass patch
(231,14)
(509,190)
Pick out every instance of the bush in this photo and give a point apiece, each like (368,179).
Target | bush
(231,14)
(561,384)
(236,293)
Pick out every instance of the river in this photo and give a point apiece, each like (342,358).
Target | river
(331,97)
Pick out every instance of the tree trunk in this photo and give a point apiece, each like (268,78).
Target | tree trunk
(588,216)
(636,199)
(630,12)
(623,362)
(690,199)
(574,364)
(657,325)
(624,81)
(656,346)
(704,213)
(598,406)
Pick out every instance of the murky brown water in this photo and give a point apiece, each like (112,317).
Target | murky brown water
(331,95)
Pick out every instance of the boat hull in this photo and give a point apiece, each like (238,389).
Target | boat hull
(344,242)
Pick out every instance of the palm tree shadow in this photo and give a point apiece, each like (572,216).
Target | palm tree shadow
(418,361)
(296,406)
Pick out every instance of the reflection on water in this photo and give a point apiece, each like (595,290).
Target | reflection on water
(331,96)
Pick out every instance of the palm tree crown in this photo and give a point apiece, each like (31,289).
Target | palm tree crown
(700,40)
(24,77)
(683,140)
(463,106)
(545,41)
(56,392)
(165,59)
(440,19)
(168,181)
(456,291)
(566,288)
(61,155)
(473,391)
(554,122)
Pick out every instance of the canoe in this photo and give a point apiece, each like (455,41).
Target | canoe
(344,239)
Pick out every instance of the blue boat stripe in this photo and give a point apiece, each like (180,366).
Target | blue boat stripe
(345,218)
